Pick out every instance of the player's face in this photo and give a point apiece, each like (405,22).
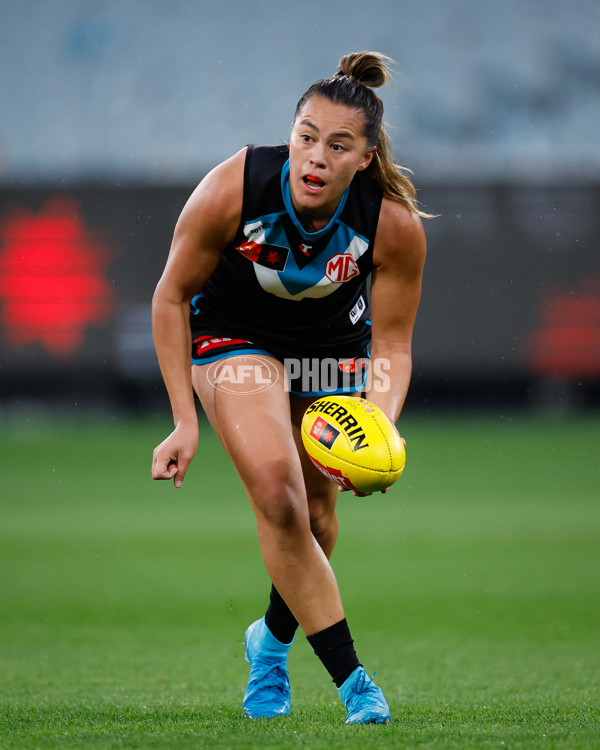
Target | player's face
(327,148)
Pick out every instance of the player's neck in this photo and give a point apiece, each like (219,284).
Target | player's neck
(313,222)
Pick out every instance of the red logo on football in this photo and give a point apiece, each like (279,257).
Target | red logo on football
(342,267)
(319,425)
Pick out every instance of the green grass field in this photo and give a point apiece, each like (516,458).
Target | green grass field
(472,589)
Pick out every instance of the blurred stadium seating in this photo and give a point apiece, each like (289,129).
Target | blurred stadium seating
(111,112)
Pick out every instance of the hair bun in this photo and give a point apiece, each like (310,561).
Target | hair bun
(369,68)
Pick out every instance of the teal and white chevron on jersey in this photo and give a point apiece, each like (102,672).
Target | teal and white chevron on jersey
(279,285)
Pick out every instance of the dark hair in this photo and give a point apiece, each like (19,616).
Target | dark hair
(357,75)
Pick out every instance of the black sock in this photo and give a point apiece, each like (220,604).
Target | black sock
(279,618)
(334,647)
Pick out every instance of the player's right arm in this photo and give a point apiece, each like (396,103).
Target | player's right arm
(207,224)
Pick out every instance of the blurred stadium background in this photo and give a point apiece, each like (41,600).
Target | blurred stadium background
(112,110)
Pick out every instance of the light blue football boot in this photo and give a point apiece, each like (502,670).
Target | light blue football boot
(363,700)
(268,690)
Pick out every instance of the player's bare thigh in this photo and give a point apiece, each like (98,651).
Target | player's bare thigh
(246,380)
(251,421)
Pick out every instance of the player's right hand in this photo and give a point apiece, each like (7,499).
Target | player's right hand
(173,456)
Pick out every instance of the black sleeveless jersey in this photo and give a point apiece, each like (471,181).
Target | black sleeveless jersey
(286,289)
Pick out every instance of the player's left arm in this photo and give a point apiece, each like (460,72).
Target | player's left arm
(398,258)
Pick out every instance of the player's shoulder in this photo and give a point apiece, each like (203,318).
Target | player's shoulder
(219,195)
(395,216)
(399,227)
(227,178)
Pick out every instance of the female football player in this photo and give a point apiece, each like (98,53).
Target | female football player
(271,254)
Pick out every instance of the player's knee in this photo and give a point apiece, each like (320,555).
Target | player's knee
(278,498)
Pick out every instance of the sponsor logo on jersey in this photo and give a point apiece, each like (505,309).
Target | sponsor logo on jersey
(250,250)
(205,344)
(352,366)
(261,227)
(270,256)
(324,432)
(342,267)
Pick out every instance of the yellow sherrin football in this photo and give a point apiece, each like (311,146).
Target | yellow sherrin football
(353,443)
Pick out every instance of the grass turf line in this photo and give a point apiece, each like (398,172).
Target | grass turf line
(471,589)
